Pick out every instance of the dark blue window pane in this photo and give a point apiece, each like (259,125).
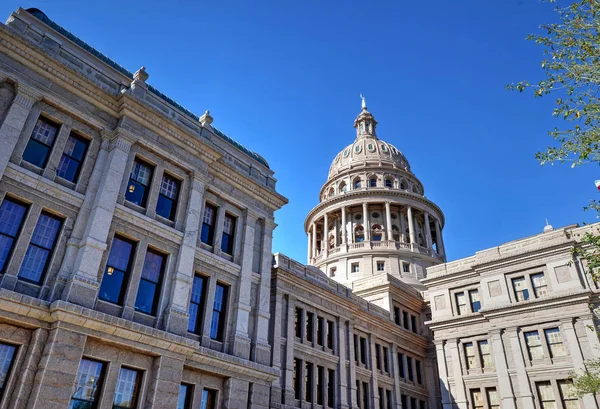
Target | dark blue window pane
(70,162)
(193,310)
(68,168)
(197,289)
(214,325)
(476,306)
(112,283)
(153,265)
(11,217)
(46,231)
(6,244)
(136,193)
(88,384)
(38,253)
(525,294)
(76,147)
(146,296)
(218,316)
(7,353)
(165,207)
(36,153)
(34,264)
(120,254)
(185,395)
(226,244)
(206,234)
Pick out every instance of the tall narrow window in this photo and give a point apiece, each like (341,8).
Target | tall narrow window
(404,401)
(397,315)
(357,184)
(401,365)
(166,206)
(546,395)
(477,399)
(150,283)
(413,324)
(308,382)
(413,402)
(406,267)
(555,342)
(388,399)
(310,318)
(298,322)
(7,355)
(373,182)
(388,183)
(41,246)
(228,233)
(363,350)
(208,224)
(320,384)
(297,378)
(320,334)
(217,325)
(380,266)
(358,400)
(40,144)
(184,401)
(520,289)
(418,371)
(365,395)
(117,271)
(139,183)
(567,395)
(384,357)
(69,166)
(331,388)
(378,356)
(87,385)
(534,345)
(474,298)
(128,387)
(209,399)
(409,368)
(538,281)
(461,303)
(484,353)
(356,352)
(12,213)
(381,401)
(330,329)
(405,320)
(355,268)
(493,398)
(470,355)
(197,302)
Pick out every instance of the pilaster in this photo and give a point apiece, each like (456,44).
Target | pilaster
(262,348)
(507,397)
(163,391)
(525,397)
(411,226)
(459,385)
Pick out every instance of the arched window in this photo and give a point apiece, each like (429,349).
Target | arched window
(359,234)
(395,233)
(373,182)
(389,183)
(357,183)
(377,233)
(403,184)
(331,191)
(343,187)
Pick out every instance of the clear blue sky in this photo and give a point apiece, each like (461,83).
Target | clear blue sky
(283,78)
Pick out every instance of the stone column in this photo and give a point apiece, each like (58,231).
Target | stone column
(11,127)
(505,392)
(57,370)
(336,227)
(315,252)
(394,368)
(459,385)
(262,348)
(344,227)
(163,391)
(325,239)
(440,242)
(430,379)
(525,397)
(276,327)
(82,287)
(402,228)
(289,351)
(308,248)
(411,226)
(236,394)
(572,343)
(373,365)
(388,221)
(241,309)
(26,377)
(341,351)
(366,224)
(427,231)
(443,374)
(176,317)
(352,367)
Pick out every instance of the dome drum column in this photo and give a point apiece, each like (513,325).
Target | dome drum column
(411,227)
(427,231)
(388,221)
(325,238)
(366,224)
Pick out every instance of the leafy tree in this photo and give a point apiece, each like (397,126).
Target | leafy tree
(571,64)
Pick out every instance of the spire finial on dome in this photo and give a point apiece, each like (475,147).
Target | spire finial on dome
(548,227)
(364,101)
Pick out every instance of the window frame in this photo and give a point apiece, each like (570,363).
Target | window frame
(11,366)
(222,313)
(136,392)
(126,273)
(49,148)
(80,162)
(174,201)
(99,389)
(147,188)
(157,285)
(199,323)
(230,243)
(209,228)
(17,235)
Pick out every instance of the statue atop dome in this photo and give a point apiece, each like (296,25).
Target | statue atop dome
(365,122)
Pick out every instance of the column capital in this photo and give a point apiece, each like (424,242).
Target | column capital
(118,138)
(26,95)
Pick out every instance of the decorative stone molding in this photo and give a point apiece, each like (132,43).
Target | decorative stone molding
(26,95)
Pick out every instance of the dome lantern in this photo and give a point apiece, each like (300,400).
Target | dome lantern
(365,122)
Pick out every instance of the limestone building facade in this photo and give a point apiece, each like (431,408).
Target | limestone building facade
(512,322)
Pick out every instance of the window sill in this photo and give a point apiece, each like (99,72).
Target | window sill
(135,207)
(164,220)
(31,167)
(65,182)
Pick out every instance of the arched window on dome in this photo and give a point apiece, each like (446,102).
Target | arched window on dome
(376,233)
(395,233)
(343,187)
(356,183)
(416,189)
(331,191)
(389,182)
(359,234)
(403,184)
(373,181)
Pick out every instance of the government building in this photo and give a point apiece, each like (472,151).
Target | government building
(137,269)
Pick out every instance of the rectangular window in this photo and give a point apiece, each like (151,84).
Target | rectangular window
(139,183)
(484,353)
(331,388)
(461,303)
(309,326)
(476,399)
(380,266)
(298,323)
(197,303)
(297,377)
(401,365)
(421,404)
(378,356)
(330,330)
(217,324)
(40,143)
(474,298)
(546,395)
(209,399)
(418,370)
(356,353)
(470,355)
(388,398)
(520,289)
(332,271)
(358,401)
(381,402)
(320,333)
(41,246)
(117,271)
(567,395)
(409,368)
(365,395)
(69,166)
(208,224)
(413,324)
(184,401)
(538,281)
(384,357)
(406,267)
(127,391)
(404,401)
(166,206)
(12,214)
(88,383)
(308,382)
(320,384)
(228,233)
(397,315)
(355,268)
(150,283)
(363,350)
(7,355)
(534,345)
(405,320)
(413,402)
(555,342)
(493,398)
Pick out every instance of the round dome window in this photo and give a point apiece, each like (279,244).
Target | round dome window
(375,215)
(384,149)
(358,216)
(357,148)
(346,152)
